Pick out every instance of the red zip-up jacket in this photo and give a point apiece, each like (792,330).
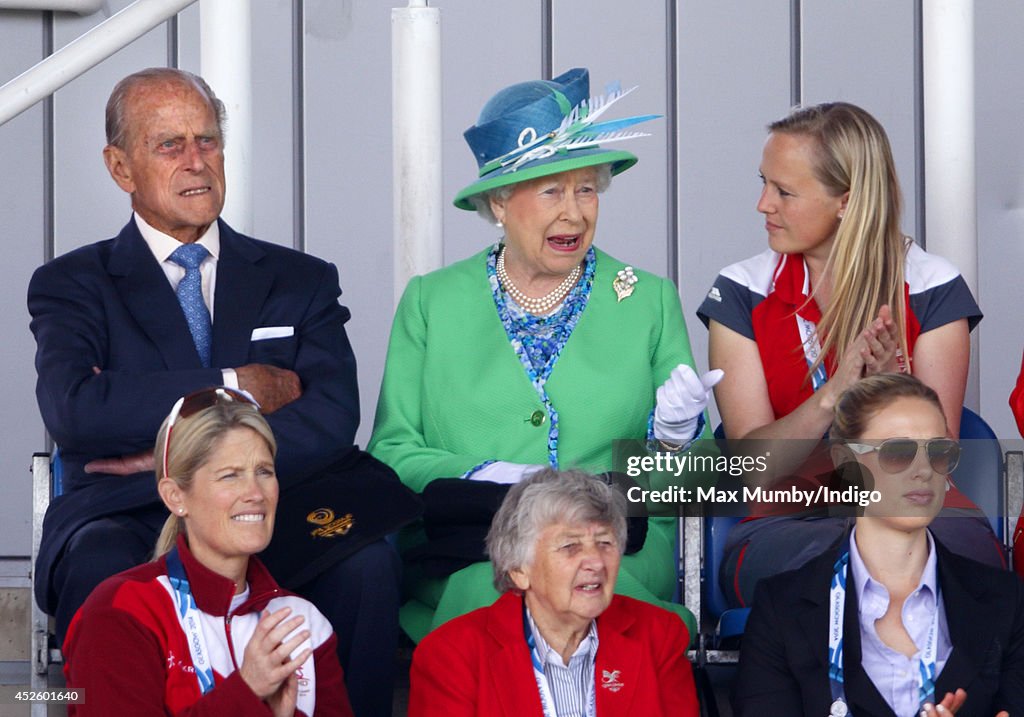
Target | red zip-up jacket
(127,650)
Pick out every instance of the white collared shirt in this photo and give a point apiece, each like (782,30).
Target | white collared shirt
(893,673)
(572,686)
(163,245)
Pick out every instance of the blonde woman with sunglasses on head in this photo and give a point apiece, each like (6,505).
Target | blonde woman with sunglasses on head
(887,621)
(204,629)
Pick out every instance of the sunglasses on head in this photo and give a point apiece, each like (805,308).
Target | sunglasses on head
(895,455)
(197,401)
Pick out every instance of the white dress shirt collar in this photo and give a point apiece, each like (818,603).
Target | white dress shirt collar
(163,245)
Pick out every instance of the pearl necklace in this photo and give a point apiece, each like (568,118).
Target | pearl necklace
(542,305)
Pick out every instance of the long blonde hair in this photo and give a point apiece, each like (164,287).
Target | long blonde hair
(866,263)
(193,440)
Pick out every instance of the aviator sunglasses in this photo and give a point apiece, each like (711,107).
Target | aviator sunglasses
(895,455)
(193,403)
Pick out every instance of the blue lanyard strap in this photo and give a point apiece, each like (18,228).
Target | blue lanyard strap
(812,349)
(189,617)
(837,609)
(547,700)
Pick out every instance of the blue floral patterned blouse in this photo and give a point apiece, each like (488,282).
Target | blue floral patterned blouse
(538,340)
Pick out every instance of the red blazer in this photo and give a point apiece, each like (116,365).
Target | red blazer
(478,665)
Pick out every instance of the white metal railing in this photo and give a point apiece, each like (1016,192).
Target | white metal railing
(87,51)
(226,61)
(226,50)
(82,7)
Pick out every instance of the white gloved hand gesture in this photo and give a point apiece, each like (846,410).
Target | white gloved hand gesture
(504,472)
(681,400)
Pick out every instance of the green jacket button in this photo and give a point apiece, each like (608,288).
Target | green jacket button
(537,418)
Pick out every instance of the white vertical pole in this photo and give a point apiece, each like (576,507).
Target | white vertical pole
(226,65)
(951,216)
(416,143)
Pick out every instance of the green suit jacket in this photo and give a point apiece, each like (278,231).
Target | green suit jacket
(455,394)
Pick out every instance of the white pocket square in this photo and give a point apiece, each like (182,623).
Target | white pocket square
(272,332)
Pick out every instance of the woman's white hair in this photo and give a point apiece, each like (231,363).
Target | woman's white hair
(546,498)
(482,202)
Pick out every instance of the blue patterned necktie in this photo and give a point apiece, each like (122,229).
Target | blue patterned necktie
(190,296)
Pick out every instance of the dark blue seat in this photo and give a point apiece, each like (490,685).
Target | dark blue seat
(730,622)
(979,475)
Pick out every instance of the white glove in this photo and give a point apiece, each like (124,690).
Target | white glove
(681,400)
(504,472)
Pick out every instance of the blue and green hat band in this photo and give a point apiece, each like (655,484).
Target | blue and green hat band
(562,161)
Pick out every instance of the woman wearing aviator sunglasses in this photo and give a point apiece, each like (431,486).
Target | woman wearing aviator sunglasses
(887,621)
(204,629)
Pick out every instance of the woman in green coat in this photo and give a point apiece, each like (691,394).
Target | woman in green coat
(540,350)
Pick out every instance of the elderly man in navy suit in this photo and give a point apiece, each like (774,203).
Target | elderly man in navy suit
(127,325)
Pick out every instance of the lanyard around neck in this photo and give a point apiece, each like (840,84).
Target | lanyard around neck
(812,350)
(190,619)
(547,701)
(837,610)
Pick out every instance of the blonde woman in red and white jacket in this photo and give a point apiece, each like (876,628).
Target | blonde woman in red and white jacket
(204,629)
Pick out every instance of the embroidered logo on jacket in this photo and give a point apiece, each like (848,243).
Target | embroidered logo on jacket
(329,527)
(610,680)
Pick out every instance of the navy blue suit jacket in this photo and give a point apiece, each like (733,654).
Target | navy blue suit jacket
(109,305)
(784,654)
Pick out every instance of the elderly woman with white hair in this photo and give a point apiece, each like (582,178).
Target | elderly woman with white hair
(539,350)
(558,641)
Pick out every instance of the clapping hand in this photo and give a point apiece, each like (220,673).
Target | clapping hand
(873,351)
(880,344)
(267,665)
(950,704)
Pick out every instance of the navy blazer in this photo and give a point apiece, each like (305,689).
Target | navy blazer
(784,655)
(109,305)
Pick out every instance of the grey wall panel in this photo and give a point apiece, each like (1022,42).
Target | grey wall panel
(348,148)
(272,147)
(486,46)
(273,74)
(605,37)
(999,107)
(270,171)
(21,208)
(863,52)
(89,206)
(733,70)
(188,40)
(348,170)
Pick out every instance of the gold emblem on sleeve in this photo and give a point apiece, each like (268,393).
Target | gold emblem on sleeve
(329,526)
